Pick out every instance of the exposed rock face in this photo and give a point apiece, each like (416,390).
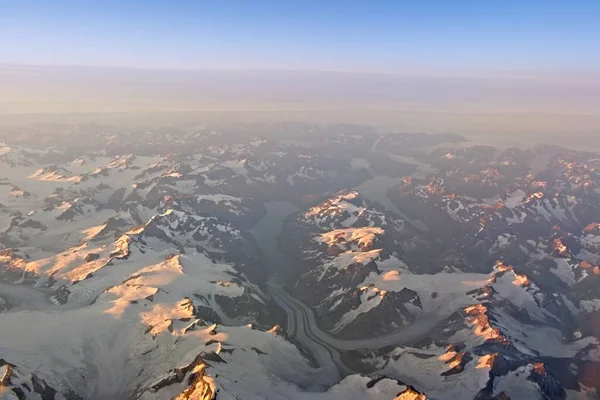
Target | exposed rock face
(116,198)
(394,309)
(549,386)
(194,376)
(91,257)
(5,304)
(277,330)
(410,393)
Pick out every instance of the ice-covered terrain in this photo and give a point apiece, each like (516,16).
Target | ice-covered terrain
(149,269)
(133,277)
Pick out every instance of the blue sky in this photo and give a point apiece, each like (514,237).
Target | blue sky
(311,35)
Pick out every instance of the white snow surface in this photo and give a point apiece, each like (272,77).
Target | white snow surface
(131,322)
(110,318)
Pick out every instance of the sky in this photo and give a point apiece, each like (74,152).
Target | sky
(336,35)
(502,67)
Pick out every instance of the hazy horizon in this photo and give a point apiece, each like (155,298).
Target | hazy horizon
(521,70)
(512,104)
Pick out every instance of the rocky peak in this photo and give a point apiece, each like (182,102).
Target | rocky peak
(410,393)
(549,387)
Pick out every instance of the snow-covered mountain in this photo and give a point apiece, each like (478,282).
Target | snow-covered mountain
(129,268)
(136,277)
(343,246)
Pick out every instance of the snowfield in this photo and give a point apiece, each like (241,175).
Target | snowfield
(106,297)
(139,275)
